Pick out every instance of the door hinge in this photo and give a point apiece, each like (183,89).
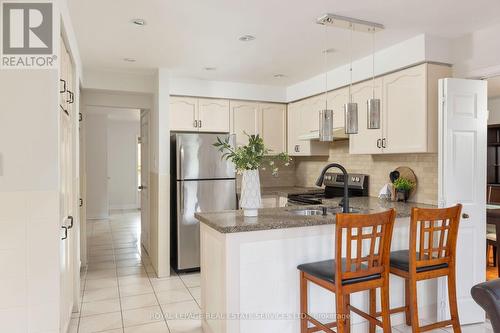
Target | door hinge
(81,202)
(139,139)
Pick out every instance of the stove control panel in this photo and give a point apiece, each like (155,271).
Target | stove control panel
(359,181)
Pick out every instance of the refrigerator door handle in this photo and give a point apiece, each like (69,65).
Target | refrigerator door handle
(180,162)
(181,198)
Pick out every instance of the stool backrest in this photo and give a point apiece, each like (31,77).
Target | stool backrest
(433,236)
(367,244)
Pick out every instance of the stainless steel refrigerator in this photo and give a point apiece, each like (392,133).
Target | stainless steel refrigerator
(200,182)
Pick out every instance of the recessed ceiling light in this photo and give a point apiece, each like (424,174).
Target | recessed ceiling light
(331,50)
(279,76)
(129,59)
(210,68)
(246,38)
(138,21)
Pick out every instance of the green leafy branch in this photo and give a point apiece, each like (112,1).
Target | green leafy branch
(251,156)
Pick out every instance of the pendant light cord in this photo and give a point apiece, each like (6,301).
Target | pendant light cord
(350,67)
(373,61)
(326,67)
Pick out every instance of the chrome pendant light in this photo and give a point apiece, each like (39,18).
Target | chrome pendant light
(326,115)
(351,108)
(373,104)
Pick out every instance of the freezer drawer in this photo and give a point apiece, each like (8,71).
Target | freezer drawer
(197,158)
(198,196)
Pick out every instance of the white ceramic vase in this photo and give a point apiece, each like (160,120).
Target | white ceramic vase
(250,200)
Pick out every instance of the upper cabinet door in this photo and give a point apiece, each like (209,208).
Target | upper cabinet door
(309,113)
(213,115)
(405,111)
(244,119)
(273,126)
(183,113)
(293,128)
(336,101)
(366,141)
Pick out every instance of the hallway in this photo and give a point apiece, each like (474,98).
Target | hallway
(120,291)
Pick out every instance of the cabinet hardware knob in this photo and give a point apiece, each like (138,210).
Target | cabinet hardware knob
(65,232)
(378,143)
(70,218)
(195,124)
(465,216)
(384,140)
(64,86)
(199,123)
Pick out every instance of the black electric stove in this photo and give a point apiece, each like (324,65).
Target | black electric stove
(334,188)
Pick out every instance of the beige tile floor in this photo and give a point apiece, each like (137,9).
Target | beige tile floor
(121,294)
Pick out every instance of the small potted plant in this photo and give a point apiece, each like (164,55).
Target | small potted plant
(248,160)
(403,186)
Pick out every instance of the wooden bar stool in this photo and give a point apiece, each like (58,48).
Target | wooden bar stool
(362,265)
(433,238)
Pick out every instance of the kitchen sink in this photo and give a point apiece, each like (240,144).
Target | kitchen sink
(320,211)
(309,212)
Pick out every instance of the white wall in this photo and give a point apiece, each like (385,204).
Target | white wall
(230,90)
(476,54)
(97,165)
(494,111)
(122,163)
(125,82)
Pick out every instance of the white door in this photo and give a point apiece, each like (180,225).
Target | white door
(244,119)
(183,114)
(145,234)
(66,245)
(213,115)
(462,179)
(273,126)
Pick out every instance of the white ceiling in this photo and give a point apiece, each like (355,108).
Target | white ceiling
(189,35)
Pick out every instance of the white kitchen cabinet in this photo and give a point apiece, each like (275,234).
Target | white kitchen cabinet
(265,119)
(213,115)
(244,119)
(199,114)
(273,126)
(366,141)
(409,112)
(183,113)
(303,118)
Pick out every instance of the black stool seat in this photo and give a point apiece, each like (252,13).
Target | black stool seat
(401,260)
(325,270)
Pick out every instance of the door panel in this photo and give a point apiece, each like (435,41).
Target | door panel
(462,179)
(193,197)
(183,113)
(244,119)
(197,158)
(145,222)
(273,127)
(213,115)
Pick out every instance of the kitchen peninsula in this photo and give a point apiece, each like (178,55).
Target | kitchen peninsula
(249,279)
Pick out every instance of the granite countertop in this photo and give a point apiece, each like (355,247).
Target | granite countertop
(284,191)
(281,218)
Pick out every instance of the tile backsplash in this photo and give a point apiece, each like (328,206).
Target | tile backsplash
(425,166)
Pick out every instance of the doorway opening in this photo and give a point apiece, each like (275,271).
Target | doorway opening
(493,180)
